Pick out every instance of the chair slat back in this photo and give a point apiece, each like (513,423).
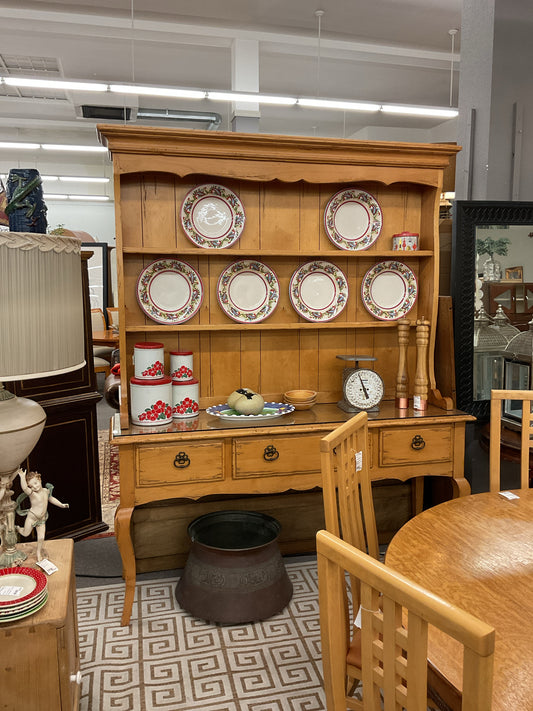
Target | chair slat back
(346,484)
(497,398)
(112,316)
(98,320)
(396,613)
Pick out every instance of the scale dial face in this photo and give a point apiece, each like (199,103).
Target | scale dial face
(363,389)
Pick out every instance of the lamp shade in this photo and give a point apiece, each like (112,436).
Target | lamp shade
(41,305)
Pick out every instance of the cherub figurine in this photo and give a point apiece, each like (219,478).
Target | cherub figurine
(37,514)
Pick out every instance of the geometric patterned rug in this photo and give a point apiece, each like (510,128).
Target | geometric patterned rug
(167,660)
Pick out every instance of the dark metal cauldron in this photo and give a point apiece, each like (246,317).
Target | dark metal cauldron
(234,572)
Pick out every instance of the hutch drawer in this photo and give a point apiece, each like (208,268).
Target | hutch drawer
(415,445)
(182,462)
(276,455)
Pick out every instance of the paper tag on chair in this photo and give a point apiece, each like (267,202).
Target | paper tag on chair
(358,461)
(508,495)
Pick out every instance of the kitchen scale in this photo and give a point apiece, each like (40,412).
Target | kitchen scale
(362,388)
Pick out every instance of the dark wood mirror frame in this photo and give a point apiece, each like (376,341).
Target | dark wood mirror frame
(467,215)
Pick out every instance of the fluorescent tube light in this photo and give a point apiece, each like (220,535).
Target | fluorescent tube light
(73,179)
(21,146)
(419,111)
(338,104)
(49,178)
(66,147)
(157,91)
(54,84)
(251,98)
(50,196)
(105,198)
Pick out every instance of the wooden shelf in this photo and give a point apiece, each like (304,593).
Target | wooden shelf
(262,326)
(264,253)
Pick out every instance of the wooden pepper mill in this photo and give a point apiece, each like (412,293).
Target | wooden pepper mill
(420,395)
(402,377)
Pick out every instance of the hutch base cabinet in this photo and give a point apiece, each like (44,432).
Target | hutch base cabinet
(292,205)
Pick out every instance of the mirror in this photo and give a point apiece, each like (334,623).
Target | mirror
(492,275)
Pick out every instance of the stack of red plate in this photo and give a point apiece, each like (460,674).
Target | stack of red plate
(23,591)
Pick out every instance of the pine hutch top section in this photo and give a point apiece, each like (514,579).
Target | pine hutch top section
(284,184)
(269,157)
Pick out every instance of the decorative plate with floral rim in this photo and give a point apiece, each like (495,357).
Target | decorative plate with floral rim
(169,291)
(248,291)
(318,291)
(389,290)
(212,216)
(353,219)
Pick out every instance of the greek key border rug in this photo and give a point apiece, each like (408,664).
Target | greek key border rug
(168,660)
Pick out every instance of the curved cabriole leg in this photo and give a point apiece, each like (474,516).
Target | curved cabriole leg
(125,546)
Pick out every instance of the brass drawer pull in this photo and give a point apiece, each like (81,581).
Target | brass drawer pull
(181,460)
(270,454)
(418,443)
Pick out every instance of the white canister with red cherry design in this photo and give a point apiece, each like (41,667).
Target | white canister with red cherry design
(185,398)
(151,401)
(149,359)
(181,365)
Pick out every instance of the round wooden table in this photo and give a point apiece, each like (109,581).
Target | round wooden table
(105,338)
(477,553)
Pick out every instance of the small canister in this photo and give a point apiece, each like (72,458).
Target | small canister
(405,241)
(185,398)
(151,401)
(149,359)
(181,365)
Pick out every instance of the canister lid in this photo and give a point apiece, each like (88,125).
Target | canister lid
(192,381)
(180,353)
(149,344)
(164,380)
(406,234)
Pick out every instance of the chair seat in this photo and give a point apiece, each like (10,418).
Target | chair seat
(102,351)
(101,366)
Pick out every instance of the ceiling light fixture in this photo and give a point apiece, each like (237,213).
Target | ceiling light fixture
(157,91)
(67,147)
(251,98)
(73,179)
(419,111)
(54,84)
(19,145)
(70,196)
(339,104)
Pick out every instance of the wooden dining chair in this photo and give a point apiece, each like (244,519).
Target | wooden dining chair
(497,398)
(346,484)
(395,617)
(112,316)
(101,354)
(349,511)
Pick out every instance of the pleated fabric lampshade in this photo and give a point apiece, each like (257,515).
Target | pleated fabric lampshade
(41,334)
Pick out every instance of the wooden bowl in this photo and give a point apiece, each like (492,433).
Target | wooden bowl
(296,396)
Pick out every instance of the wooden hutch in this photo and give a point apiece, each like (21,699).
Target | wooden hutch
(284,184)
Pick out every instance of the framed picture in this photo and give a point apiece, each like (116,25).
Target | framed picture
(514,274)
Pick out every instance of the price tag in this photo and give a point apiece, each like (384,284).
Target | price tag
(358,461)
(47,566)
(509,495)
(11,590)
